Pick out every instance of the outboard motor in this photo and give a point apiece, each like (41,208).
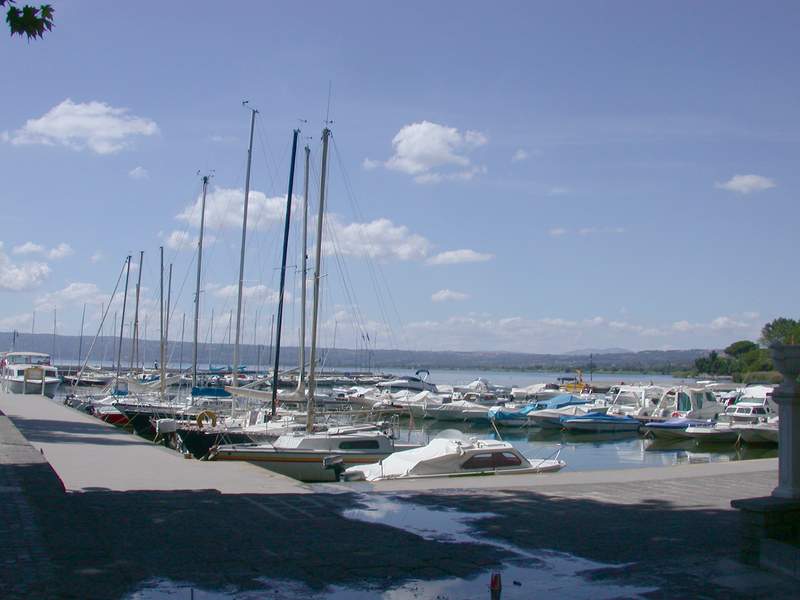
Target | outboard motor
(336,464)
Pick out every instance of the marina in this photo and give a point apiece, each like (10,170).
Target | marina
(399,301)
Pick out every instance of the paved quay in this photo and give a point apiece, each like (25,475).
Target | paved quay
(650,533)
(89,454)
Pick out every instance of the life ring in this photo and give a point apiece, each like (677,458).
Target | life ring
(206,415)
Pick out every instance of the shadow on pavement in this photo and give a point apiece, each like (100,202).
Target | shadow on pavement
(72,432)
(107,544)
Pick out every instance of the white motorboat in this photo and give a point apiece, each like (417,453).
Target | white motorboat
(598,422)
(444,457)
(458,410)
(552,418)
(718,433)
(634,400)
(408,382)
(687,403)
(313,456)
(29,373)
(759,433)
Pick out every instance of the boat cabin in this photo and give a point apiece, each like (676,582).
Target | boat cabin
(690,403)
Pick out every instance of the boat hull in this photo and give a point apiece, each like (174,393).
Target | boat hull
(16,386)
(757,435)
(307,466)
(599,426)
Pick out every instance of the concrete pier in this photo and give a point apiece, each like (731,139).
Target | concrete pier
(88,454)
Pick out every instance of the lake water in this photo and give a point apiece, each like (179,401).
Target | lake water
(592,451)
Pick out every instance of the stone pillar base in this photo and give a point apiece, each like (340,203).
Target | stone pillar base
(771,533)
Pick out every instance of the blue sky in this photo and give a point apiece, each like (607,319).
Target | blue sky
(536,177)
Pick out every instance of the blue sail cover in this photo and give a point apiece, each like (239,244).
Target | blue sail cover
(559,401)
(210,392)
(499,413)
(601,418)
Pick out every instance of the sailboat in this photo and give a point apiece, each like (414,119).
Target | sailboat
(311,456)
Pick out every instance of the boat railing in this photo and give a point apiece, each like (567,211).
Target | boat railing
(552,456)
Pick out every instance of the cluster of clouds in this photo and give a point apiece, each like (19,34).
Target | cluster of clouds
(17,277)
(432,153)
(478,331)
(746,184)
(62,250)
(30,270)
(94,126)
(426,151)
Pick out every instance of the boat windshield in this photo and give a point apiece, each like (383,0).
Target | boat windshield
(28,359)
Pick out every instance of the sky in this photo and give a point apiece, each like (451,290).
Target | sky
(535,177)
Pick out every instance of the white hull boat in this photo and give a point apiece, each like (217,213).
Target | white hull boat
(444,457)
(759,433)
(713,434)
(313,457)
(29,373)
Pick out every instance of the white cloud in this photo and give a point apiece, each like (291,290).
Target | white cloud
(423,149)
(16,321)
(746,184)
(368,164)
(557,231)
(519,155)
(448,295)
(28,248)
(259,291)
(180,240)
(452,257)
(718,324)
(683,326)
(379,239)
(97,126)
(96,257)
(61,251)
(225,209)
(19,277)
(727,323)
(138,173)
(465,175)
(74,293)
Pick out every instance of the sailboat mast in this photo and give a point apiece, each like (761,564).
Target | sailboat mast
(312,384)
(301,378)
(167,312)
(235,381)
(162,373)
(283,273)
(180,360)
(135,333)
(122,321)
(80,341)
(197,288)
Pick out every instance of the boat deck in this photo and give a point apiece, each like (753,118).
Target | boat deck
(88,454)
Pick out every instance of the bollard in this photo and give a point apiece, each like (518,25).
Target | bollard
(495,586)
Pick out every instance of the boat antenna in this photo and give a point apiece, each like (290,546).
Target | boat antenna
(328,109)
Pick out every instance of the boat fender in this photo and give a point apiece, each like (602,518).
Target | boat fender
(207,415)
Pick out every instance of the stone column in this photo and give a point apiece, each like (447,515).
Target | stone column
(787,396)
